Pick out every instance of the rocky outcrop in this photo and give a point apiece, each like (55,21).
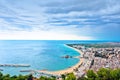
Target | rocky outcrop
(67,56)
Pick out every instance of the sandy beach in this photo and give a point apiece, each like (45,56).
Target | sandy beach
(68,70)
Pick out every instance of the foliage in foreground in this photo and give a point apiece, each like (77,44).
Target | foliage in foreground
(20,77)
(102,74)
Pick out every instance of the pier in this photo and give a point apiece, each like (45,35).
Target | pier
(27,70)
(14,65)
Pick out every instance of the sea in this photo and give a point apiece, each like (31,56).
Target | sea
(39,54)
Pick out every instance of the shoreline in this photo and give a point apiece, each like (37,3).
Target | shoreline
(67,70)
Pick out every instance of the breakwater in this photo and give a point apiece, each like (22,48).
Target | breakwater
(14,65)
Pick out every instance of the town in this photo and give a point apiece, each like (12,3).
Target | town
(96,58)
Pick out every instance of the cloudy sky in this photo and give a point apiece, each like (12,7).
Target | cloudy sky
(60,19)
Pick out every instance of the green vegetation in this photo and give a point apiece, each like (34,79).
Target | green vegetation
(102,74)
(20,77)
(70,76)
(46,78)
(24,77)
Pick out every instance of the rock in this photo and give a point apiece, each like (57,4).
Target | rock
(67,56)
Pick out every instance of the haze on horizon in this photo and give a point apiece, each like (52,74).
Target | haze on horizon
(60,19)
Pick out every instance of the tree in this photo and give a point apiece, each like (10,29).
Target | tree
(6,77)
(47,78)
(63,76)
(104,74)
(82,78)
(70,76)
(13,77)
(115,74)
(30,77)
(1,75)
(21,77)
(91,75)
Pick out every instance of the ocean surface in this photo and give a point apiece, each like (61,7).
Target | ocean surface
(41,55)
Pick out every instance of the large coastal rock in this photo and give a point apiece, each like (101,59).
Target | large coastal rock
(67,56)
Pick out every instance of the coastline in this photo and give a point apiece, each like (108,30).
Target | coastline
(68,70)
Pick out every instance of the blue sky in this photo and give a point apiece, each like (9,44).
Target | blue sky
(60,19)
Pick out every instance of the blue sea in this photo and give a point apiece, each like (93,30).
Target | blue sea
(40,54)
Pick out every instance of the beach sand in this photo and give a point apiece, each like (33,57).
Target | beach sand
(68,70)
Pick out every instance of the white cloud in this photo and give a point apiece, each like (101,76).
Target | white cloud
(29,20)
(41,36)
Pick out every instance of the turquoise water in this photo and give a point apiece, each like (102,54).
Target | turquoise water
(39,54)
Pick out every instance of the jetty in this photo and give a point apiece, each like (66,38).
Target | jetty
(27,70)
(14,65)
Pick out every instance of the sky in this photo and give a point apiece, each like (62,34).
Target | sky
(59,19)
